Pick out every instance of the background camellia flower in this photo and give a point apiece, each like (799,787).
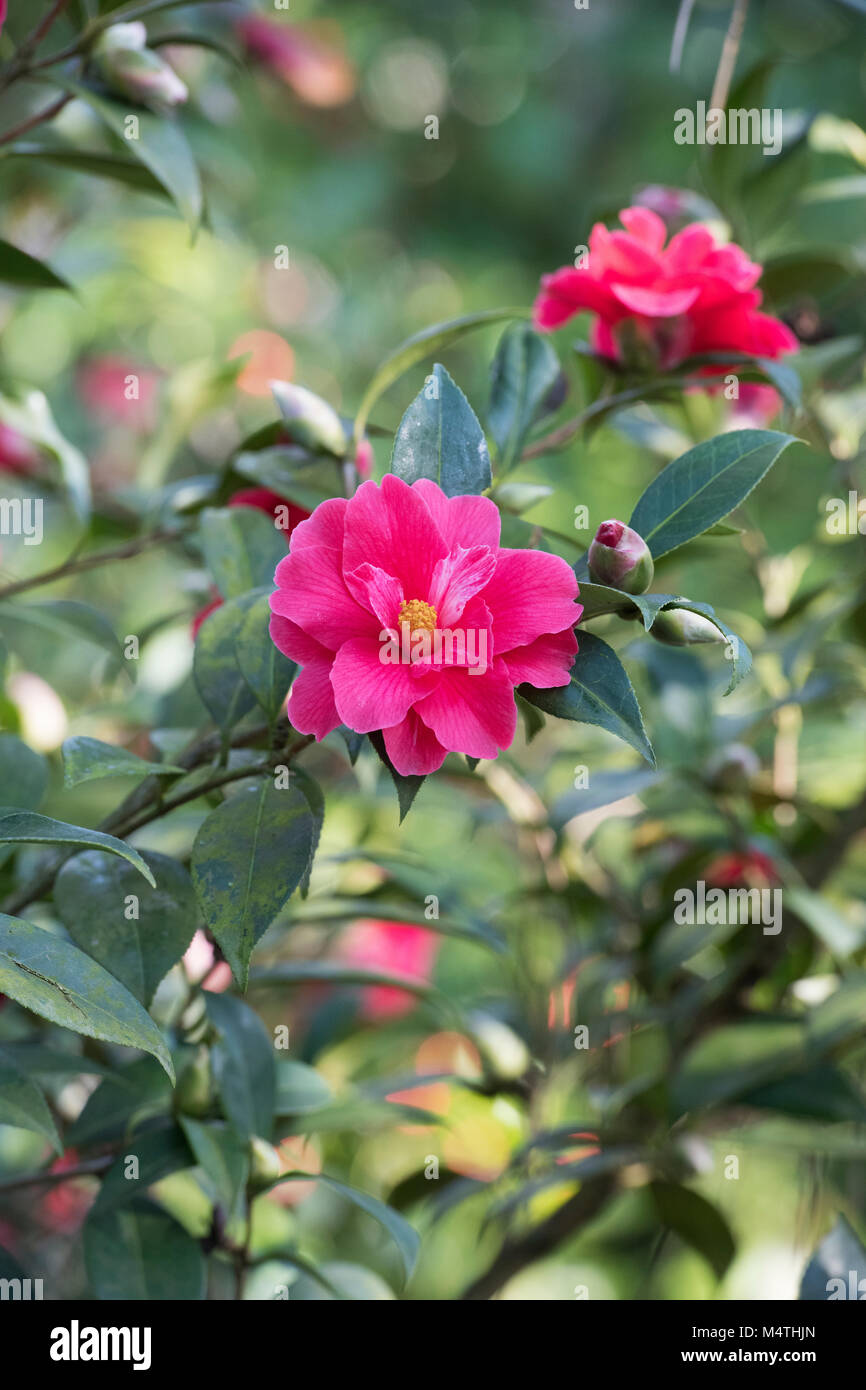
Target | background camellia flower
(692,296)
(316,68)
(400,948)
(397,557)
(276,507)
(119,391)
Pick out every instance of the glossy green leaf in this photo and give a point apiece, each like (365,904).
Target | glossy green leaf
(261,663)
(242,548)
(407,788)
(440,438)
(223,1155)
(599,692)
(704,486)
(141,1254)
(244,1066)
(217,675)
(88,759)
(19,827)
(249,856)
(138,933)
(59,982)
(525,369)
(23,1104)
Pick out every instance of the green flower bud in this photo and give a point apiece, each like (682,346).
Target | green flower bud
(265,1165)
(194,1090)
(618,556)
(677,627)
(131,69)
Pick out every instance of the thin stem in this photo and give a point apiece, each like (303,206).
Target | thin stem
(681,28)
(728,60)
(47,114)
(21,60)
(91,1168)
(90,562)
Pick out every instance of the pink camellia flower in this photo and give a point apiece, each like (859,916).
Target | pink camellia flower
(692,296)
(264,501)
(407,616)
(396,947)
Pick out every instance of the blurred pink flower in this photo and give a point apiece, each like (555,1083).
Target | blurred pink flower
(689,297)
(396,560)
(396,947)
(314,65)
(119,391)
(756,405)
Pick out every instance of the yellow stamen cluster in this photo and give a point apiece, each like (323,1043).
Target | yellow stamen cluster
(418,614)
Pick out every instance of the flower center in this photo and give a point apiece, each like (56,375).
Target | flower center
(418,614)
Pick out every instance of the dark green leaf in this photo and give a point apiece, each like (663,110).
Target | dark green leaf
(98,898)
(242,548)
(407,787)
(30,828)
(440,438)
(524,370)
(599,692)
(261,663)
(244,1066)
(25,272)
(704,486)
(249,856)
(57,981)
(23,1104)
(696,1222)
(139,1253)
(87,759)
(215,669)
(223,1155)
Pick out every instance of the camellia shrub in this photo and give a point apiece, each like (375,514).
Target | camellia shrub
(397,899)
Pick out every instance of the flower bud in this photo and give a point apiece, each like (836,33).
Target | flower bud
(193,1093)
(677,627)
(131,69)
(265,1164)
(620,557)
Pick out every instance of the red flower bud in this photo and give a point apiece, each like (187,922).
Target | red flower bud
(620,557)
